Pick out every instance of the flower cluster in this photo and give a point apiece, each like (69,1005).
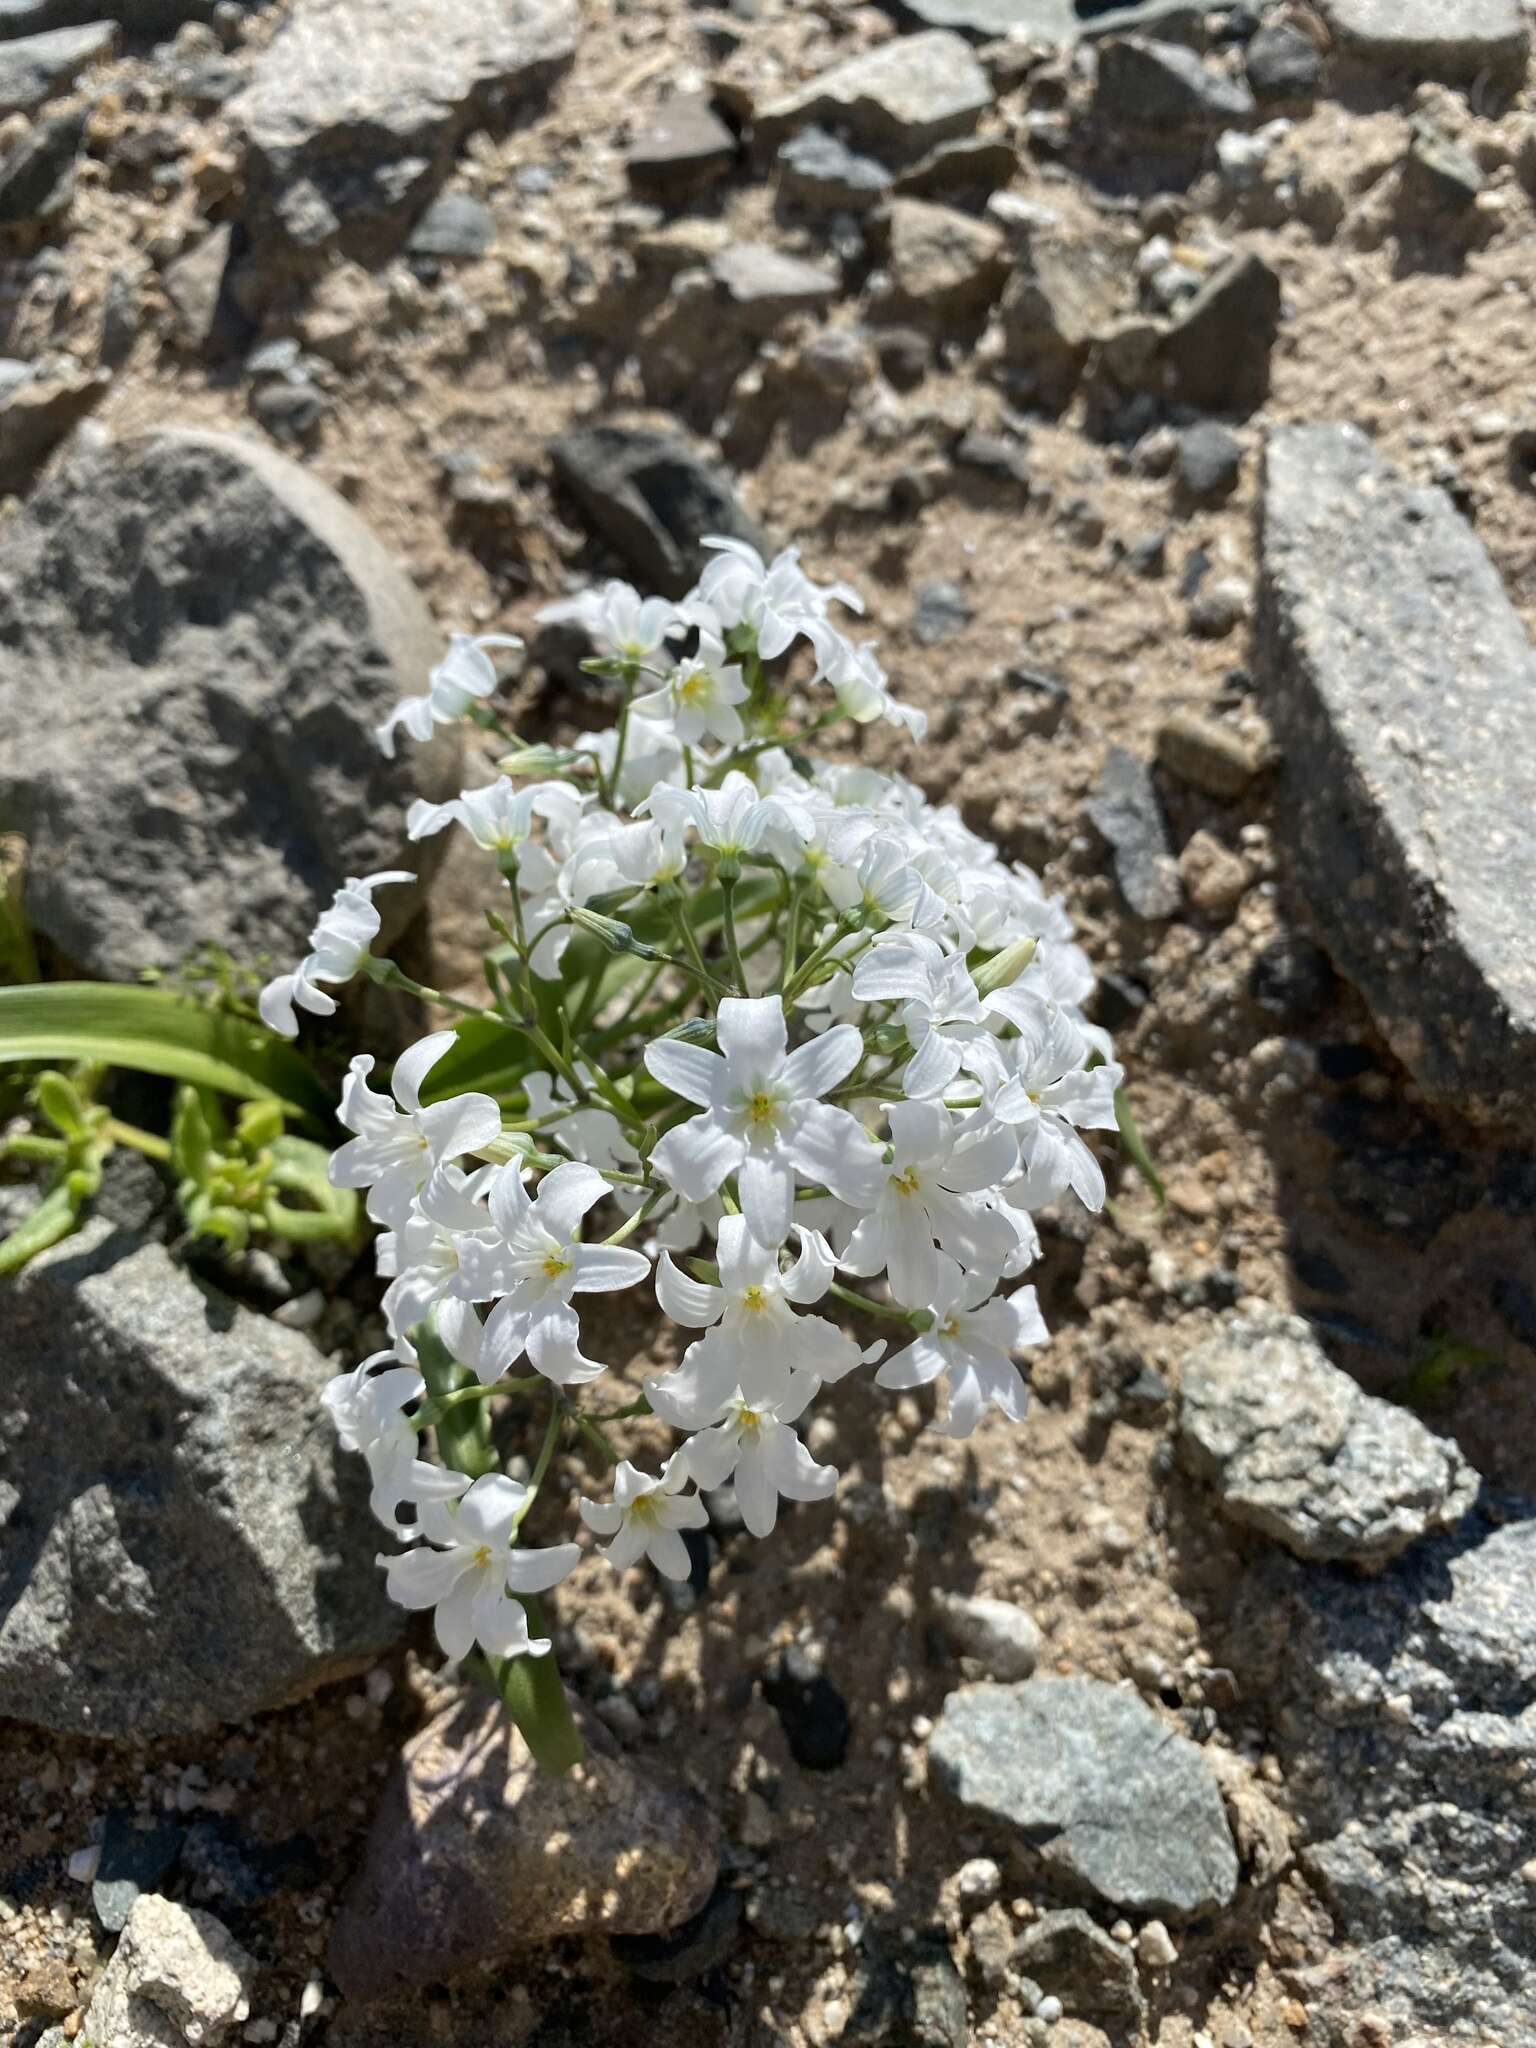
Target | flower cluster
(773,1039)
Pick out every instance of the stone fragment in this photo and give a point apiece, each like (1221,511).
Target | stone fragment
(1207,755)
(1455,40)
(1071,285)
(35,416)
(1073,1959)
(1125,809)
(365,101)
(821,173)
(34,68)
(762,287)
(895,100)
(185,1544)
(1294,1448)
(971,164)
(475,1854)
(1283,63)
(1438,175)
(1215,879)
(176,1976)
(37,177)
(194,284)
(1208,462)
(1216,352)
(221,634)
(1099,1785)
(652,498)
(1052,21)
(942,612)
(943,263)
(133,1860)
(702,1944)
(1001,1636)
(1165,88)
(683,150)
(1400,682)
(1400,1711)
(456,227)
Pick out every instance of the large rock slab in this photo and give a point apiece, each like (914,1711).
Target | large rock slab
(1110,1795)
(1451,39)
(1294,1448)
(1403,1711)
(476,1854)
(33,68)
(196,639)
(183,1543)
(898,99)
(365,101)
(1402,689)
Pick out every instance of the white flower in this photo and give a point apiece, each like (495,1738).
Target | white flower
(395,1150)
(733,819)
(498,817)
(757,1445)
(1050,1095)
(943,1016)
(536,1263)
(972,1337)
(756,1341)
(645,1518)
(653,753)
(859,683)
(472,1577)
(893,882)
(465,675)
(367,1409)
(617,619)
(700,696)
(764,1119)
(937,1169)
(337,947)
(776,599)
(426,1254)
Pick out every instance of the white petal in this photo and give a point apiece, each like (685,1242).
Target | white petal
(564,1197)
(669,1553)
(814,1068)
(756,1494)
(767,1186)
(607,1268)
(692,1071)
(696,1157)
(693,1303)
(420,1578)
(603,1517)
(535,1571)
(414,1065)
(454,1621)
(811,1275)
(752,1034)
(921,1362)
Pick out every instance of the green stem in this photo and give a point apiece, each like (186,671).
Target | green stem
(532,1692)
(877,1308)
(732,947)
(464,1430)
(137,1140)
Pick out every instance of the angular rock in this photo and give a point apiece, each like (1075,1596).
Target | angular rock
(1293,1447)
(37,177)
(1215,355)
(184,1544)
(220,633)
(1164,87)
(821,173)
(762,286)
(684,149)
(1439,177)
(35,416)
(366,100)
(971,164)
(34,68)
(942,262)
(1401,1711)
(456,226)
(1072,284)
(897,100)
(194,284)
(1100,1785)
(1207,755)
(475,1854)
(1125,809)
(1283,63)
(1456,40)
(1001,1636)
(1073,1959)
(1049,21)
(651,498)
(177,1975)
(1208,461)
(138,17)
(1400,686)
(133,1860)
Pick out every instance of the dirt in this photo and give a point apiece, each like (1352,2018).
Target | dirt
(1081,1515)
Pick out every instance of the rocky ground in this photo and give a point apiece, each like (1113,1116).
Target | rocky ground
(1161,376)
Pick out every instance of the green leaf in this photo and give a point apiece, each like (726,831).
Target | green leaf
(157,1032)
(533,1693)
(1136,1148)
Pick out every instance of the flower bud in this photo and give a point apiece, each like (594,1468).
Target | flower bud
(1004,968)
(614,934)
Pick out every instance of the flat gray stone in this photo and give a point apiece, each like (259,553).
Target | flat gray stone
(762,286)
(1125,808)
(897,100)
(1104,1789)
(216,634)
(456,226)
(34,68)
(194,284)
(1042,21)
(1165,88)
(366,100)
(1402,690)
(1294,1448)
(1449,39)
(999,1634)
(1401,1709)
(684,148)
(183,1542)
(818,171)
(652,497)
(37,177)
(1073,1959)
(35,417)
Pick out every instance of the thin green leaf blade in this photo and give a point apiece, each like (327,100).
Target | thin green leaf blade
(1136,1148)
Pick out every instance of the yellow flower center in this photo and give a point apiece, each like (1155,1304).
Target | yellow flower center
(555,1263)
(760,1109)
(754,1300)
(483,1555)
(693,689)
(749,1419)
(643,1507)
(950,1327)
(906,1182)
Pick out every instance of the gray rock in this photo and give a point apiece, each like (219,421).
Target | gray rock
(1164,87)
(138,17)
(1070,287)
(943,264)
(185,1544)
(1208,460)
(194,284)
(133,1861)
(761,286)
(1100,1785)
(1438,175)
(220,633)
(455,226)
(1401,1710)
(684,149)
(897,99)
(1400,686)
(652,498)
(1209,756)
(1047,21)
(821,173)
(1283,63)
(1451,39)
(34,68)
(1125,809)
(1073,1959)
(415,74)
(177,1975)
(36,415)
(475,1854)
(1293,1447)
(291,413)
(971,164)
(1001,1636)
(942,612)
(37,177)
(1215,354)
